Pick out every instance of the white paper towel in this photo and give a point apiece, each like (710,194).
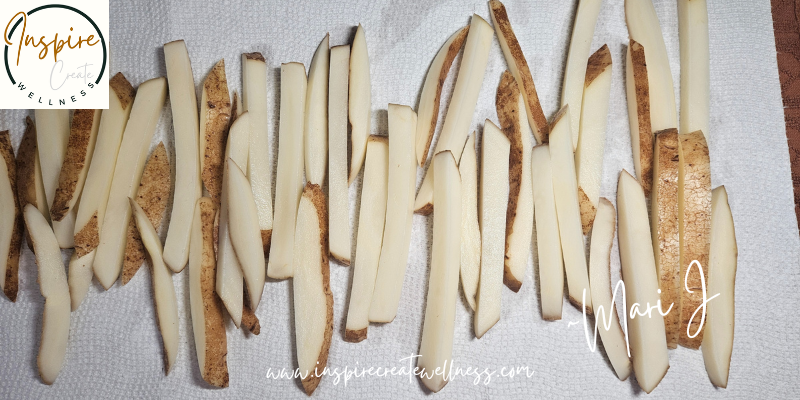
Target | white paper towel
(115,348)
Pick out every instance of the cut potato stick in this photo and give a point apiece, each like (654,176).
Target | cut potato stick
(338,193)
(470,231)
(718,339)
(52,133)
(647,338)
(462,104)
(11,220)
(493,202)
(605,310)
(428,108)
(372,217)
(551,264)
(30,189)
(96,189)
(127,174)
(565,191)
(695,82)
(592,138)
(289,183)
(53,285)
(259,162)
(249,318)
(360,102)
(163,288)
(638,94)
(316,124)
(152,198)
(643,27)
(80,277)
(313,311)
(399,215)
(208,324)
(436,349)
(215,116)
(694,228)
(519,67)
(188,187)
(519,215)
(580,44)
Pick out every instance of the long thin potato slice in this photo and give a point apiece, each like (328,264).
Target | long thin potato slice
(249,318)
(80,277)
(52,133)
(316,124)
(360,102)
(638,94)
(215,116)
(30,188)
(695,82)
(11,220)
(470,231)
(338,193)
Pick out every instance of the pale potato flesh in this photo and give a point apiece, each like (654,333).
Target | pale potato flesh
(316,125)
(360,102)
(80,277)
(52,132)
(695,82)
(215,117)
(338,193)
(470,231)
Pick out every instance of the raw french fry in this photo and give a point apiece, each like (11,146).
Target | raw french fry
(605,310)
(79,278)
(399,210)
(372,217)
(694,228)
(249,318)
(695,86)
(53,285)
(208,324)
(565,191)
(638,93)
(428,108)
(360,102)
(313,311)
(215,116)
(519,215)
(572,91)
(316,123)
(462,104)
(188,187)
(127,174)
(436,349)
(647,338)
(551,265)
(30,188)
(718,339)
(470,231)
(11,220)
(338,193)
(519,67)
(592,138)
(163,288)
(289,183)
(52,133)
(643,27)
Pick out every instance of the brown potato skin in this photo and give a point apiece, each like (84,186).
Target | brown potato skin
(88,238)
(249,318)
(217,127)
(80,135)
(355,336)
(123,89)
(588,211)
(598,62)
(26,170)
(642,87)
(12,263)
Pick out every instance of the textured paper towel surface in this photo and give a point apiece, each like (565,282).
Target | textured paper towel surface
(115,348)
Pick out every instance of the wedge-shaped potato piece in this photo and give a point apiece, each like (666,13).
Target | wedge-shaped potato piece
(338,193)
(493,202)
(638,93)
(519,215)
(30,188)
(470,231)
(551,264)
(592,138)
(643,27)
(96,189)
(462,104)
(428,108)
(695,82)
(52,133)
(519,67)
(215,116)
(163,289)
(188,188)
(10,220)
(648,342)
(399,215)
(605,309)
(152,198)
(127,174)
(53,285)
(664,226)
(80,277)
(436,349)
(316,124)
(694,223)
(259,169)
(360,102)
(289,183)
(718,339)
(565,191)
(372,217)
(572,90)
(313,300)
